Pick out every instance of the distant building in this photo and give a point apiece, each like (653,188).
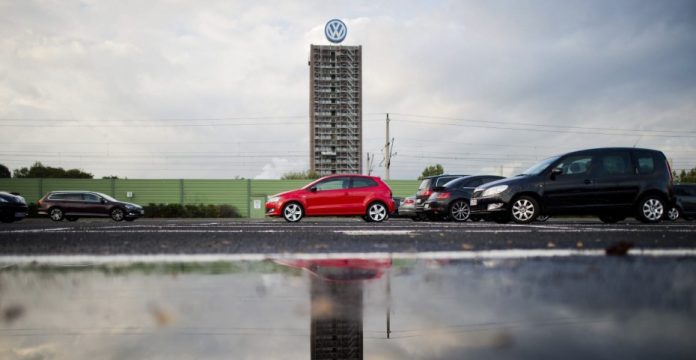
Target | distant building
(335,109)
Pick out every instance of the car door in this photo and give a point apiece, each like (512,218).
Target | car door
(361,190)
(614,179)
(328,197)
(571,188)
(92,205)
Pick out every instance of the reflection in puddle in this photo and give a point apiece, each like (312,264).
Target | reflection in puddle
(575,307)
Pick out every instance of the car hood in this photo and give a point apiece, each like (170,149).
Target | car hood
(508,181)
(130,204)
(286,193)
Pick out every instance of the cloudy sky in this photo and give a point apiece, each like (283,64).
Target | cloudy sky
(218,89)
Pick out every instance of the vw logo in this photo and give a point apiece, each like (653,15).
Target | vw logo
(335,30)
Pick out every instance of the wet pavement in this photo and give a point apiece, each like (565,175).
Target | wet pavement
(570,307)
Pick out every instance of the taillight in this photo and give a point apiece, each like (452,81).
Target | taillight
(443,195)
(408,201)
(427,192)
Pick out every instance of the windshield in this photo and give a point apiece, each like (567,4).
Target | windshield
(424,184)
(107,197)
(540,166)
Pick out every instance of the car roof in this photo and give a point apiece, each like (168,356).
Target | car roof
(442,175)
(611,149)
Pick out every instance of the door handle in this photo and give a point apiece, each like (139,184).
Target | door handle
(587,181)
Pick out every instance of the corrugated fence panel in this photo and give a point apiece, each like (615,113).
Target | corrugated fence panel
(272,187)
(403,188)
(98,185)
(149,191)
(28,188)
(230,192)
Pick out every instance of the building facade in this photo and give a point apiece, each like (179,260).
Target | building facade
(335,109)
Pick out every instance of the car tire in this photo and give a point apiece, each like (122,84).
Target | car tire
(292,212)
(459,211)
(524,209)
(651,209)
(611,219)
(377,212)
(56,214)
(117,214)
(673,214)
(71,218)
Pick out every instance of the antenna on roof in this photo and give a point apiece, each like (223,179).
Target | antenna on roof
(637,140)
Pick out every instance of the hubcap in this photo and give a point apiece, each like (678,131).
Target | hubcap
(673,214)
(56,214)
(460,211)
(377,212)
(293,212)
(523,210)
(653,209)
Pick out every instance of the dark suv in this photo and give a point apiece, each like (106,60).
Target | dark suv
(425,189)
(12,207)
(612,183)
(72,205)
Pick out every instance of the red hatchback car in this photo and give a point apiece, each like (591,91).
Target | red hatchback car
(335,195)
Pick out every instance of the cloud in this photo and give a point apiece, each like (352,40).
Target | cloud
(279,166)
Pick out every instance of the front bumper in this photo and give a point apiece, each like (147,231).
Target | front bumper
(16,212)
(488,205)
(273,209)
(135,213)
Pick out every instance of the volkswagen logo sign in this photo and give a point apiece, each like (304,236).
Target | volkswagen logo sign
(335,30)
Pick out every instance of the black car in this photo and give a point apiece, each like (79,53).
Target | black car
(612,183)
(72,205)
(451,201)
(425,189)
(684,202)
(12,207)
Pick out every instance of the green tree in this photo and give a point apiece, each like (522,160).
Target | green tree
(432,170)
(300,175)
(4,171)
(39,170)
(686,176)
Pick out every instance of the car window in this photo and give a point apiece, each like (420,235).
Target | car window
(575,165)
(444,180)
(646,162)
(56,197)
(613,164)
(360,182)
(90,198)
(334,184)
(473,183)
(424,184)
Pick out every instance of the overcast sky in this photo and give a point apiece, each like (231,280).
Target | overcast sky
(218,89)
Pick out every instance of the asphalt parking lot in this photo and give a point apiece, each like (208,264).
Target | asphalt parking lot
(331,235)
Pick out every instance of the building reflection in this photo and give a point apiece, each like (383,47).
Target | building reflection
(336,293)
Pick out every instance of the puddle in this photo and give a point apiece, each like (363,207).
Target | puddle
(388,308)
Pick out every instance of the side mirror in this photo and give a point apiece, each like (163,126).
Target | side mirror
(313,189)
(555,172)
(103,201)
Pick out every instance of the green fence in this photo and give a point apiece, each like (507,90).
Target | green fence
(244,195)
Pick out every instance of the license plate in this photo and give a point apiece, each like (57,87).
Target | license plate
(427,206)
(418,201)
(474,202)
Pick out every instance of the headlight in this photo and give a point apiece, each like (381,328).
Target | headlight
(3,200)
(131,207)
(495,190)
(274,199)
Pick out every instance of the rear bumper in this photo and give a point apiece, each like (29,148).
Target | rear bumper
(17,212)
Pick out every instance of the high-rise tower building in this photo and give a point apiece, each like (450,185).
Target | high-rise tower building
(335,109)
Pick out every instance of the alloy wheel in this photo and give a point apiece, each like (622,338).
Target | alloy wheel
(460,211)
(117,214)
(292,212)
(673,214)
(377,212)
(523,210)
(652,209)
(56,214)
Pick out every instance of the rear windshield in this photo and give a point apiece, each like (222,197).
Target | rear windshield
(424,184)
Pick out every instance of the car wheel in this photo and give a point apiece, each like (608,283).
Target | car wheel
(117,214)
(611,219)
(292,212)
(459,211)
(524,210)
(651,209)
(71,218)
(673,214)
(377,212)
(7,220)
(56,214)
(542,218)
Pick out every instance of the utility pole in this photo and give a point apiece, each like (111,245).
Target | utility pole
(387,157)
(370,163)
